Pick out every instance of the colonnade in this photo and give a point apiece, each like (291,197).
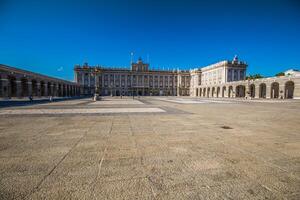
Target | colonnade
(22,85)
(276,89)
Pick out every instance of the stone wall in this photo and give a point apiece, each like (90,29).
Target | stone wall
(286,87)
(20,83)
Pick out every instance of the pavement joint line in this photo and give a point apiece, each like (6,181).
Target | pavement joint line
(81,111)
(37,187)
(101,160)
(141,159)
(259,155)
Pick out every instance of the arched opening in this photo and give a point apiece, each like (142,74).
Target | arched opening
(230,91)
(240,91)
(252,90)
(75,91)
(34,87)
(213,92)
(24,87)
(12,86)
(218,91)
(71,90)
(262,90)
(68,90)
(200,92)
(64,90)
(207,93)
(134,93)
(49,89)
(289,90)
(42,88)
(59,90)
(140,93)
(275,90)
(196,92)
(1,92)
(54,90)
(223,91)
(204,92)
(118,93)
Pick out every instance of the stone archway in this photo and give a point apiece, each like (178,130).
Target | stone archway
(252,90)
(64,90)
(213,92)
(204,92)
(197,92)
(208,91)
(12,86)
(262,90)
(59,92)
(230,91)
(223,91)
(1,92)
(218,91)
(200,92)
(24,87)
(34,87)
(240,91)
(54,90)
(49,89)
(289,90)
(275,90)
(42,86)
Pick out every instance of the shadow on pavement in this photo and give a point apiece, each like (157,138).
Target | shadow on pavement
(27,102)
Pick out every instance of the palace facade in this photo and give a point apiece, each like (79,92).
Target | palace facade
(138,80)
(225,79)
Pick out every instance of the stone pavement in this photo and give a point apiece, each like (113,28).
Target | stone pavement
(233,150)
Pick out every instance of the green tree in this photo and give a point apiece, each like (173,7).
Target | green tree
(280,74)
(255,76)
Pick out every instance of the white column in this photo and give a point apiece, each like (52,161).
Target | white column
(225,75)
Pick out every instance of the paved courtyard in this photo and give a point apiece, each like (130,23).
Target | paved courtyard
(151,148)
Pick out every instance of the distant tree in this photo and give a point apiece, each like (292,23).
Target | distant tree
(280,74)
(255,76)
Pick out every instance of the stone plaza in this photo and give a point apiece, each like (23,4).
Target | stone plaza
(151,148)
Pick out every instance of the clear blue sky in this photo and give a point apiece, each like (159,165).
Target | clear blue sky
(50,37)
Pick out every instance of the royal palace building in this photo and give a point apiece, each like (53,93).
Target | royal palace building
(138,80)
(225,79)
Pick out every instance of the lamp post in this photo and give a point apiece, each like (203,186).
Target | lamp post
(96,92)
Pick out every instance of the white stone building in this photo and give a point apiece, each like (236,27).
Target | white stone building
(138,80)
(227,79)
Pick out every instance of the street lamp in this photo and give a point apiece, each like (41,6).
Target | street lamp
(96,92)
